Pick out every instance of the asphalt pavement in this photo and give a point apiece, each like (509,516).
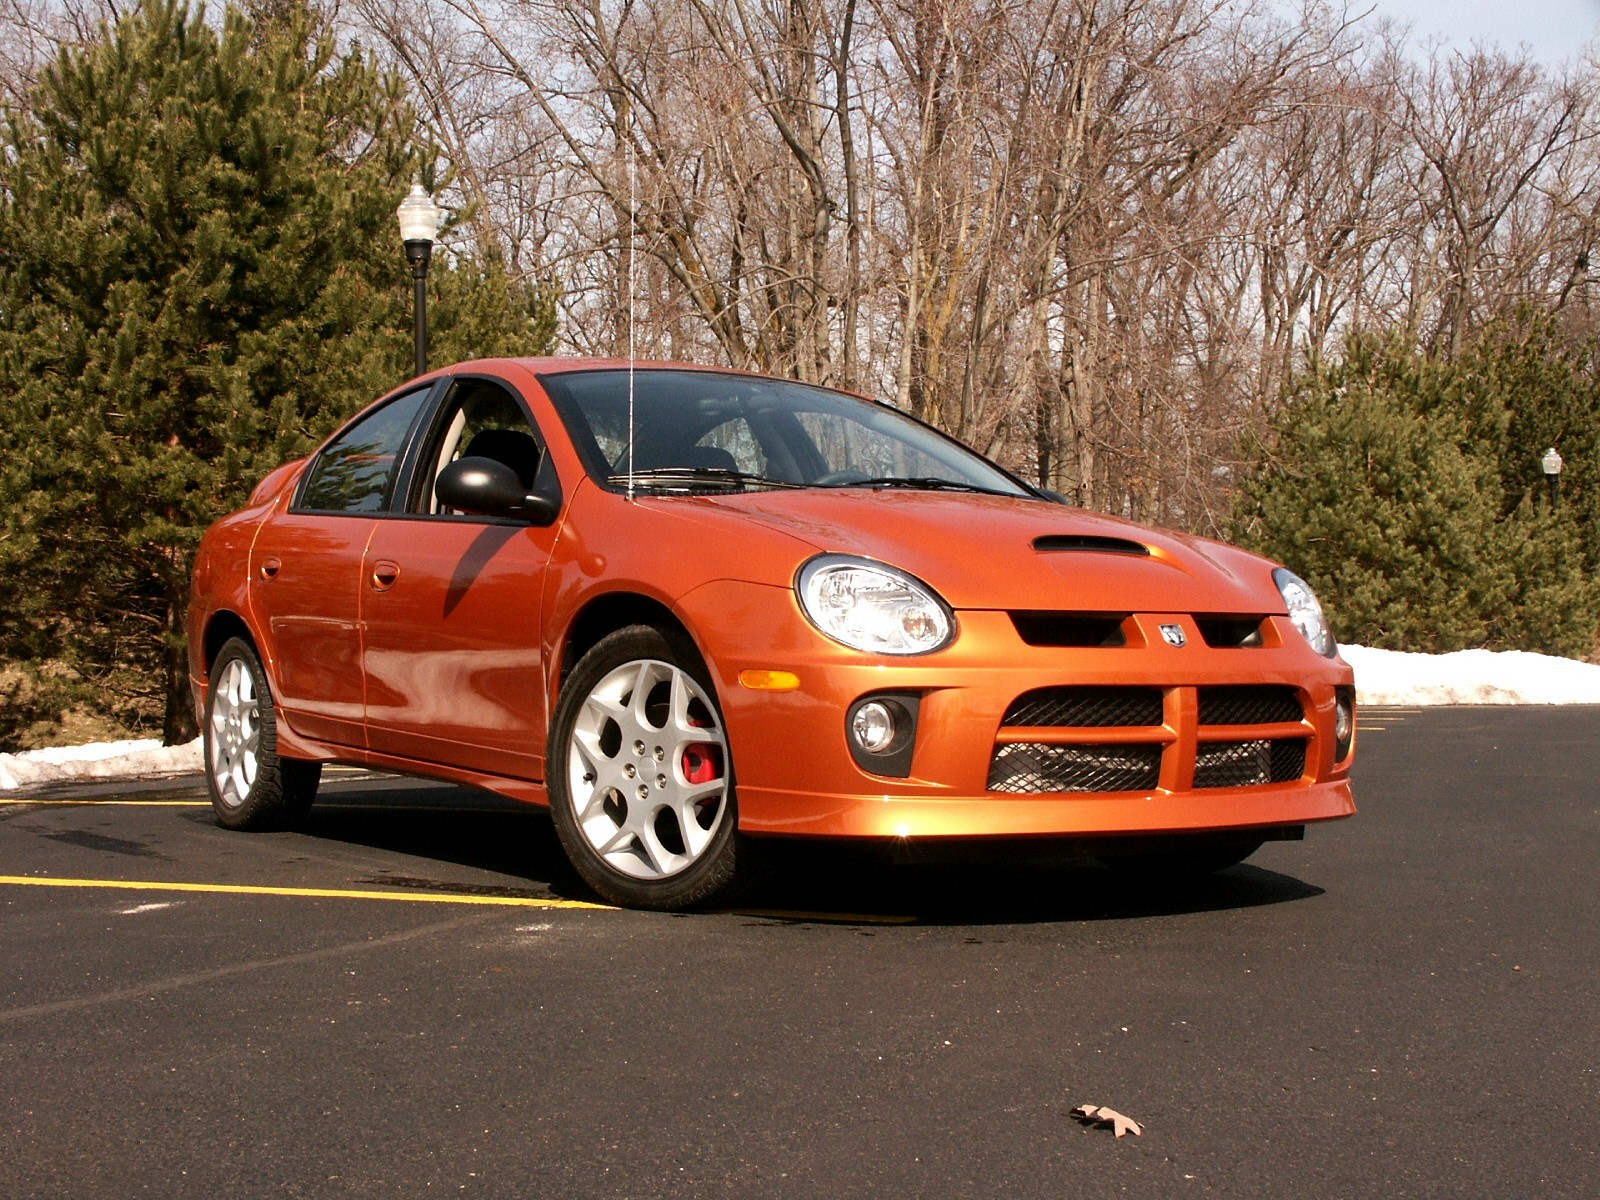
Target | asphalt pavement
(414,996)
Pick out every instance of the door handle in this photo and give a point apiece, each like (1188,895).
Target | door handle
(384,573)
(270,567)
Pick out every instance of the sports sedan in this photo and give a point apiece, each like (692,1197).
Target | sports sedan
(693,609)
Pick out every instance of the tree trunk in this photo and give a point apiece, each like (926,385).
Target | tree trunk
(179,724)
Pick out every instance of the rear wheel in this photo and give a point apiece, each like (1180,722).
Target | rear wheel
(252,787)
(641,780)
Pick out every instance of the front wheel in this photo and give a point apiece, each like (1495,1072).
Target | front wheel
(251,786)
(641,780)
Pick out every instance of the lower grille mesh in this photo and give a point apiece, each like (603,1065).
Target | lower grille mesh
(1101,765)
(1079,707)
(1027,767)
(1246,764)
(1245,705)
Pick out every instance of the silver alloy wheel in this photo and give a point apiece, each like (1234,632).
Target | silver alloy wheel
(647,769)
(235,734)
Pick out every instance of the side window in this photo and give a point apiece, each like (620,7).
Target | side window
(480,420)
(354,471)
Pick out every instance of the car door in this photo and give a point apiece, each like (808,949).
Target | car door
(305,572)
(450,604)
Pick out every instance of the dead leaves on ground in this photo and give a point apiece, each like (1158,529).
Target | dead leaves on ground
(1095,1114)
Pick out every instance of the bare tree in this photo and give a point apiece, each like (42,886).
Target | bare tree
(1094,237)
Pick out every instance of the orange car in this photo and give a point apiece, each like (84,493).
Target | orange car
(689,609)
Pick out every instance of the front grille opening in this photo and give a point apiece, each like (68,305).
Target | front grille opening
(1081,707)
(1086,541)
(1032,767)
(1249,705)
(1249,764)
(1230,633)
(1080,630)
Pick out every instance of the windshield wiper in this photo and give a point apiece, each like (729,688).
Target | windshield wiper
(931,483)
(695,477)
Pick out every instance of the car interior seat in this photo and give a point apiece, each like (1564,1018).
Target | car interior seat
(512,447)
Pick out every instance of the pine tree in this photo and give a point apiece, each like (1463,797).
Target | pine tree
(1392,482)
(199,277)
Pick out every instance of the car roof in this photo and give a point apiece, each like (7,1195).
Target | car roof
(568,363)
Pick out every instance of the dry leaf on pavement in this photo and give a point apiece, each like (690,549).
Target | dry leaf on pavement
(1095,1114)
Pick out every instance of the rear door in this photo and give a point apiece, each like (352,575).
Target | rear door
(305,572)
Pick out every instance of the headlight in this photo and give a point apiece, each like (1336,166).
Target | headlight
(872,607)
(1304,611)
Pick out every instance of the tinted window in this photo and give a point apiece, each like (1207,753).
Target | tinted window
(354,472)
(790,433)
(847,444)
(739,440)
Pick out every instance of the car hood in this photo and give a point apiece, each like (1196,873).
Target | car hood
(997,552)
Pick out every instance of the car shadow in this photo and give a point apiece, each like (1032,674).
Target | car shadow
(802,881)
(1041,884)
(460,826)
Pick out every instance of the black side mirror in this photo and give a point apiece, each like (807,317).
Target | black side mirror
(486,487)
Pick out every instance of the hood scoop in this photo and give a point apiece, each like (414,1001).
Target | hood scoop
(1054,542)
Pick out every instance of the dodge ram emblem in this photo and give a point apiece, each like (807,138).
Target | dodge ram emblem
(1173,635)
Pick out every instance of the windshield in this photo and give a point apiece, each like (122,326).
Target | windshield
(700,430)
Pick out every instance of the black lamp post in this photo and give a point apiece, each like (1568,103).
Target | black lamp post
(419,226)
(1551,462)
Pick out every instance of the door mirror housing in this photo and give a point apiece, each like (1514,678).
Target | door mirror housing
(486,487)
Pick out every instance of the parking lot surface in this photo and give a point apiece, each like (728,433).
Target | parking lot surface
(414,996)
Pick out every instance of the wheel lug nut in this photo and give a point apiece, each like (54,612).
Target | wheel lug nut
(644,792)
(661,781)
(638,748)
(660,754)
(628,770)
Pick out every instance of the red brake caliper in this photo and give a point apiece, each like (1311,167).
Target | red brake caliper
(702,761)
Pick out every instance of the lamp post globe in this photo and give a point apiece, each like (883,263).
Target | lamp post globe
(419,227)
(1550,462)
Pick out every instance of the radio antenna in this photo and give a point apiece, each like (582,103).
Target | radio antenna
(633,238)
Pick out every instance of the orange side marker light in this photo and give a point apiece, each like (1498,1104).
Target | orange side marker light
(769,681)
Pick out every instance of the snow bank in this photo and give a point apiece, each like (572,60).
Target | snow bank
(140,759)
(1470,677)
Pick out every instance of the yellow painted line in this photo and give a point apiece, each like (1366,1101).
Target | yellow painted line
(43,800)
(325,807)
(235,889)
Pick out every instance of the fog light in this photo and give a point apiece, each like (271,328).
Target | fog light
(880,731)
(873,727)
(1344,722)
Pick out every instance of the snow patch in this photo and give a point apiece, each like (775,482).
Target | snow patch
(1393,677)
(143,758)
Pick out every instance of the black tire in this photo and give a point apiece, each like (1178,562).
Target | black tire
(646,856)
(252,787)
(1188,859)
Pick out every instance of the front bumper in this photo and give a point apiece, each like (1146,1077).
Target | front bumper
(795,773)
